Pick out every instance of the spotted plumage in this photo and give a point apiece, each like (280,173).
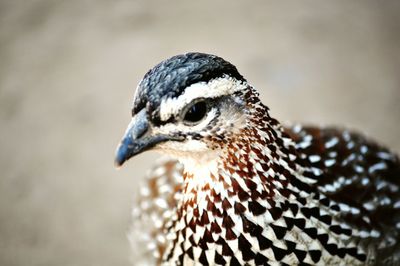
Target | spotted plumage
(245,190)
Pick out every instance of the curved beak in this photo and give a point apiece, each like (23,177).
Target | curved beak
(136,139)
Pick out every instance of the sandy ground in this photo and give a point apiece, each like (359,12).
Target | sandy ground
(68,70)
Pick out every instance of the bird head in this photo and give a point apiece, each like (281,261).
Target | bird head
(188,106)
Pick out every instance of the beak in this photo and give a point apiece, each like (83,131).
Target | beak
(136,139)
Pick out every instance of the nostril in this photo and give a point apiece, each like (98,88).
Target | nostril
(140,130)
(141,125)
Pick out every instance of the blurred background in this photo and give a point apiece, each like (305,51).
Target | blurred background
(68,70)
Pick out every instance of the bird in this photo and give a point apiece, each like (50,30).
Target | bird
(240,188)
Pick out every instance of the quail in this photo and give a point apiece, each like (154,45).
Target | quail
(243,189)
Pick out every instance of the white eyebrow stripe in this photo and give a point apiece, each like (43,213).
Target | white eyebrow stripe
(216,88)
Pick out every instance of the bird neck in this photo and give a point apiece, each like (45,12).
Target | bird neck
(247,186)
(257,163)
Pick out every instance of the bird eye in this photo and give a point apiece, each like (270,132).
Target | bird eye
(196,112)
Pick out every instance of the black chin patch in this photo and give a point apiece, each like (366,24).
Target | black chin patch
(169,78)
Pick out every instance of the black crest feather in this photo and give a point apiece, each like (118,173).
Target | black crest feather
(170,77)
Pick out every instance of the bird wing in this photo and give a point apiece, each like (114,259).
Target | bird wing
(153,211)
(363,177)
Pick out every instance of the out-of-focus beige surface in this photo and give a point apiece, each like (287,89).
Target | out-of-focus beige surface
(68,70)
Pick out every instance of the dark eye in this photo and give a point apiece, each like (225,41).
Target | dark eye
(196,112)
